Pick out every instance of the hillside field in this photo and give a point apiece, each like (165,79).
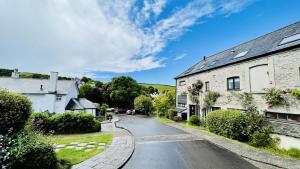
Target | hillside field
(160,87)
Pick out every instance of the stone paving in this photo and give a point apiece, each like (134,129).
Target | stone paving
(258,158)
(115,155)
(86,146)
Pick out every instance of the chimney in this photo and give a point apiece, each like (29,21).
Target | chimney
(53,82)
(15,74)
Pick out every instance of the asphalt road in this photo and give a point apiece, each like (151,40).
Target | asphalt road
(159,150)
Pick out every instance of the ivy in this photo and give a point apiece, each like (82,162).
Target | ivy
(194,91)
(295,92)
(210,99)
(247,102)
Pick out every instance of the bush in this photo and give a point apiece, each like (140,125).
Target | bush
(171,114)
(108,116)
(40,122)
(210,98)
(5,144)
(194,120)
(177,118)
(29,151)
(71,122)
(15,110)
(143,104)
(103,109)
(262,138)
(161,114)
(228,123)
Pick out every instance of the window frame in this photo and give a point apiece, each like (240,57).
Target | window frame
(207,87)
(58,98)
(233,84)
(182,81)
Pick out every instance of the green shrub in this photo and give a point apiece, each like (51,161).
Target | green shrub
(171,114)
(262,138)
(295,92)
(108,116)
(194,120)
(29,151)
(177,118)
(210,98)
(40,122)
(143,104)
(294,152)
(228,123)
(274,97)
(103,109)
(161,114)
(71,122)
(15,110)
(5,145)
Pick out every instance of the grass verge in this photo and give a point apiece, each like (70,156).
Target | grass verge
(292,153)
(77,156)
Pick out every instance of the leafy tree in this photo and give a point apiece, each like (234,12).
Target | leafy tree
(91,93)
(85,79)
(123,90)
(143,104)
(164,102)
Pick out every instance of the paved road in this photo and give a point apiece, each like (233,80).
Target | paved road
(159,146)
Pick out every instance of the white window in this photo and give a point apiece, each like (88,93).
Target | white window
(259,78)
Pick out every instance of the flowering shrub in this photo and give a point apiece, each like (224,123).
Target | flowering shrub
(5,144)
(274,97)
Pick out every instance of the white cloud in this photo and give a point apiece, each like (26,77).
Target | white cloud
(78,36)
(180,56)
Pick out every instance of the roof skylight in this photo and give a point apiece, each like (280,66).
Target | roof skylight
(212,63)
(290,39)
(240,54)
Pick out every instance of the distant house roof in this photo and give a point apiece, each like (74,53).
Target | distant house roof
(80,104)
(276,41)
(33,86)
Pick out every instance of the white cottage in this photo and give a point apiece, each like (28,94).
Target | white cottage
(52,95)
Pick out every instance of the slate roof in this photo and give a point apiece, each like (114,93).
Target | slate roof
(259,47)
(80,104)
(33,86)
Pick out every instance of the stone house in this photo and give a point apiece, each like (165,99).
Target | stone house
(51,95)
(269,61)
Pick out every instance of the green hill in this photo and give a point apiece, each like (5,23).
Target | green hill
(160,87)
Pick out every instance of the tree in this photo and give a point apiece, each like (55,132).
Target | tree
(143,104)
(85,79)
(123,90)
(91,93)
(164,102)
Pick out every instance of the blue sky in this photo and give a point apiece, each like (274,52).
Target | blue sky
(150,40)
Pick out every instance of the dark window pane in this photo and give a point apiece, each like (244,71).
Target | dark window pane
(271,115)
(282,116)
(293,117)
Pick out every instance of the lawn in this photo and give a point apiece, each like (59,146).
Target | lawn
(160,87)
(79,147)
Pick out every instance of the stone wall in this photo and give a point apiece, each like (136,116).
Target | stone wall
(283,72)
(286,128)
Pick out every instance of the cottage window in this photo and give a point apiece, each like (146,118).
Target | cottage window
(206,86)
(182,83)
(233,83)
(58,97)
(283,116)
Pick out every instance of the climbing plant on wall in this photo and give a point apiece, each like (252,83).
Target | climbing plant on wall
(210,99)
(194,91)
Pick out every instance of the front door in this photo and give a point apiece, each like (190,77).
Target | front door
(192,110)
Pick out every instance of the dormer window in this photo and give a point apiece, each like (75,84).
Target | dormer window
(290,39)
(240,55)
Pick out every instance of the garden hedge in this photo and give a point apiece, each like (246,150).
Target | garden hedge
(15,110)
(228,123)
(69,122)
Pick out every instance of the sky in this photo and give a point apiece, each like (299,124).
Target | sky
(150,40)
